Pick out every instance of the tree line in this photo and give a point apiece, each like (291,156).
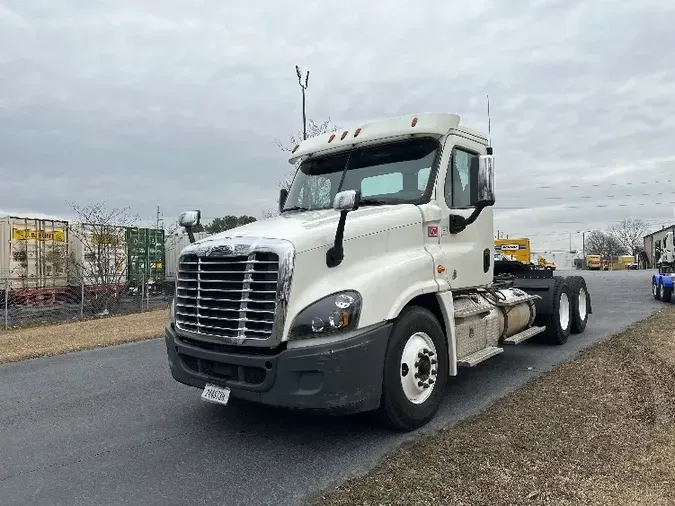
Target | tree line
(623,238)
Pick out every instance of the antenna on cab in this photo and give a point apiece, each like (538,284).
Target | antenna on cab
(489,148)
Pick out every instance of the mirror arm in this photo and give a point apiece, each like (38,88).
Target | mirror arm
(458,223)
(336,254)
(190,234)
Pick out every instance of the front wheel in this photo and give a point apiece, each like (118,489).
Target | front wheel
(415,370)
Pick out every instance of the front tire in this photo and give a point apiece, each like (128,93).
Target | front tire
(415,370)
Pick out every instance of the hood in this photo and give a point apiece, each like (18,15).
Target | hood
(316,229)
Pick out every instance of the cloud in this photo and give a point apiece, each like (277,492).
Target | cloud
(179,104)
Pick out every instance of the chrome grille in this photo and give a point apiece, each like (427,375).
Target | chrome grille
(230,297)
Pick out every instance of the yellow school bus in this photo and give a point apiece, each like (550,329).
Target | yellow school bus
(518,249)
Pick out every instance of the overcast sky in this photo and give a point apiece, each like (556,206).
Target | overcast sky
(179,103)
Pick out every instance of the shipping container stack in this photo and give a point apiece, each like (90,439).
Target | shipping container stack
(48,262)
(145,257)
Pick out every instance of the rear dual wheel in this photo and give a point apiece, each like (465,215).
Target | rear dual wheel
(571,305)
(656,289)
(581,303)
(558,321)
(665,293)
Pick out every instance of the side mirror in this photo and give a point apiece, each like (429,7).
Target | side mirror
(347,200)
(283,195)
(189,219)
(482,193)
(486,180)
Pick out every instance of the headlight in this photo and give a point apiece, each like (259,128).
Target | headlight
(338,312)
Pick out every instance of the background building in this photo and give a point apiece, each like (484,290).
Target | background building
(654,242)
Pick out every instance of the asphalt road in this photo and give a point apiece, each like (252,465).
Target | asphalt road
(111,426)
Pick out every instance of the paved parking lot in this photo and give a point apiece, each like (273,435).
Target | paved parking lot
(111,426)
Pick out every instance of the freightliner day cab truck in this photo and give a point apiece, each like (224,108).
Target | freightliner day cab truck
(374,285)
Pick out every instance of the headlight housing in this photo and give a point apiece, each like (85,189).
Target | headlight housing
(338,312)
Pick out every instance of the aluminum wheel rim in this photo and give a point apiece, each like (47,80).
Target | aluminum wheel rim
(564,311)
(582,304)
(654,289)
(419,368)
(661,290)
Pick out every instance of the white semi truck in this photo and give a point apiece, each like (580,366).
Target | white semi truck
(372,287)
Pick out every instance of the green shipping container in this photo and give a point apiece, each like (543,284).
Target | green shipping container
(145,254)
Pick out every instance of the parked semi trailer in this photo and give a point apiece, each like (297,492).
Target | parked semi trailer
(662,282)
(98,256)
(373,287)
(175,243)
(34,259)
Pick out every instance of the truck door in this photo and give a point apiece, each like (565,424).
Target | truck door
(469,258)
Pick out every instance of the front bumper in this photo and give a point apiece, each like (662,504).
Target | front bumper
(341,377)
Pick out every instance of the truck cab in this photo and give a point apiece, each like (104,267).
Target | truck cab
(372,286)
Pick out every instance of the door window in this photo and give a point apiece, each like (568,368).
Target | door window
(459,178)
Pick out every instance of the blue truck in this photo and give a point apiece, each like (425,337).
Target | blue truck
(662,283)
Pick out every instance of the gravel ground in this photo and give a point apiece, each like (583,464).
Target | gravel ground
(48,340)
(596,431)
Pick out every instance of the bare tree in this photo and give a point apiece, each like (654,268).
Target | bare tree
(601,243)
(629,233)
(98,257)
(313,129)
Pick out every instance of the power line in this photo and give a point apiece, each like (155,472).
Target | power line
(576,206)
(597,185)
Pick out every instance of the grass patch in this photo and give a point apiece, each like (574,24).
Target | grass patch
(596,431)
(48,340)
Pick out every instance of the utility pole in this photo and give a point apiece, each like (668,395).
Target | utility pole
(158,214)
(303,87)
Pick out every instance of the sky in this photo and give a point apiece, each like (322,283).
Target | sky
(180,104)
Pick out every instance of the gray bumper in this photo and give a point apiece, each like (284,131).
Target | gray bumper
(343,377)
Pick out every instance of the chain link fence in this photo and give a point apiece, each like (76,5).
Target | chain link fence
(26,303)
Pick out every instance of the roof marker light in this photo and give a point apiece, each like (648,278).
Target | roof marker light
(414,122)
(344,134)
(358,131)
(332,136)
(295,148)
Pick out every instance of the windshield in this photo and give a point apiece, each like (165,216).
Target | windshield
(394,173)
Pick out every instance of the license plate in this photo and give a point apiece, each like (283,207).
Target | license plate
(217,395)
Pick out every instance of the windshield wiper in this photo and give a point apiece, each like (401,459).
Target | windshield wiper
(295,208)
(373,202)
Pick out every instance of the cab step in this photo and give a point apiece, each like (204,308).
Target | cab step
(479,356)
(524,335)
